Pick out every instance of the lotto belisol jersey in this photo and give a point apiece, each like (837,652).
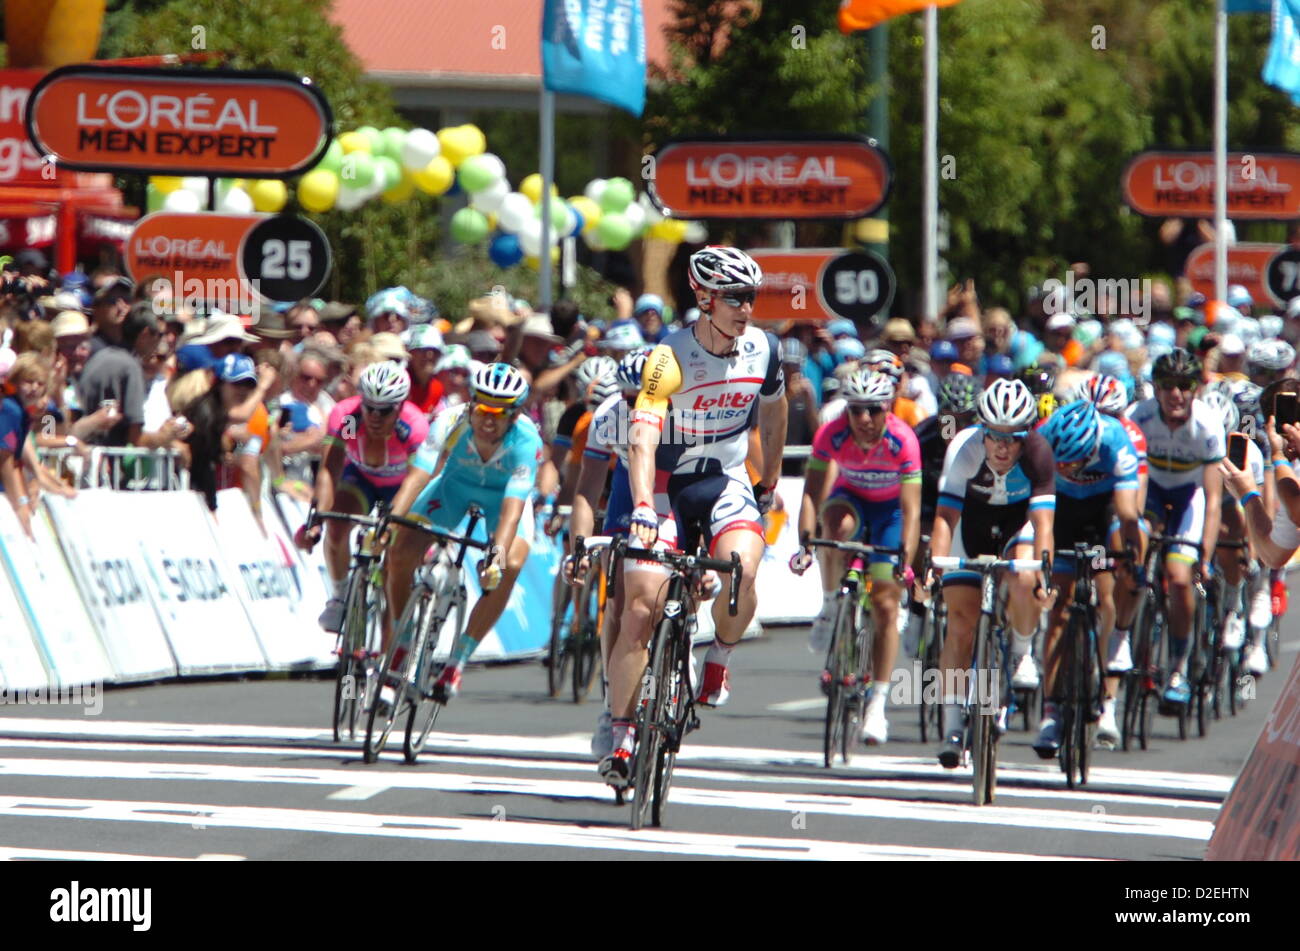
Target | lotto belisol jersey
(511,469)
(1139,441)
(1175,457)
(1113,466)
(703,402)
(874,474)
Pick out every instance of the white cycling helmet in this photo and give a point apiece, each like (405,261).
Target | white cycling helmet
(602,389)
(867,387)
(499,384)
(1107,392)
(384,383)
(1270,356)
(1224,408)
(632,368)
(886,362)
(592,369)
(1270,327)
(1007,403)
(720,268)
(625,335)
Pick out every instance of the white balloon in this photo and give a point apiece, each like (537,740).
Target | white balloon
(236,201)
(515,211)
(378,183)
(197,185)
(489,200)
(530,237)
(696,232)
(652,214)
(635,216)
(350,199)
(182,200)
(595,188)
(494,162)
(420,148)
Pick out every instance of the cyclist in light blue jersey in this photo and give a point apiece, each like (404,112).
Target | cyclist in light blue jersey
(485,453)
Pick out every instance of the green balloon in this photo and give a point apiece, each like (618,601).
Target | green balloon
(394,138)
(392,170)
(332,161)
(357,170)
(154,198)
(615,231)
(475,174)
(469,226)
(375,138)
(617,195)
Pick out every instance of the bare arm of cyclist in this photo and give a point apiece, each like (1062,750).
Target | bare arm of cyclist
(909,497)
(773,417)
(1126,508)
(661,378)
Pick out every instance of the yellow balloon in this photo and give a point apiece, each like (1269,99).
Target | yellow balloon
(436,177)
(268,194)
(353,142)
(589,210)
(531,188)
(475,139)
(318,190)
(403,190)
(166,183)
(534,262)
(676,230)
(460,142)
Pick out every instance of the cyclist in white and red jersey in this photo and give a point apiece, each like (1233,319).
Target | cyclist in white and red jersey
(369,441)
(692,419)
(876,498)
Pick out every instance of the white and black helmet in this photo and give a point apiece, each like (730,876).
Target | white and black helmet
(720,268)
(592,369)
(1270,356)
(1007,403)
(384,383)
(870,388)
(1223,406)
(499,384)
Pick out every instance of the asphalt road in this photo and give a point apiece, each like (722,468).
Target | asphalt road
(247,770)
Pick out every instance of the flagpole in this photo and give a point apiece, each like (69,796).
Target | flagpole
(547,119)
(1220,151)
(930,169)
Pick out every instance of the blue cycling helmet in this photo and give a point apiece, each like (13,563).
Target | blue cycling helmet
(631,368)
(1074,431)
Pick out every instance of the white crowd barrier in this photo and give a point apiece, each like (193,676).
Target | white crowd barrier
(783,596)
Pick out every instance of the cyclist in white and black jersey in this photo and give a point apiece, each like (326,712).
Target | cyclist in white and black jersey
(999,482)
(692,419)
(1185,442)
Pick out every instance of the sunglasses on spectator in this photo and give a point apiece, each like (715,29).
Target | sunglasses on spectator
(379,410)
(1005,437)
(314,379)
(306,325)
(739,298)
(1170,383)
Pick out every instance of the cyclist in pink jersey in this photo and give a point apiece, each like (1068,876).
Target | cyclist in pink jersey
(369,440)
(876,499)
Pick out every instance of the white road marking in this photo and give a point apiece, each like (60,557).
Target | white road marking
(357,793)
(856,806)
(850,782)
(795,706)
(481,830)
(12,853)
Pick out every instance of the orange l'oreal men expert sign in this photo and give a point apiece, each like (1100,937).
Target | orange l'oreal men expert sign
(179,121)
(833,177)
(203,246)
(1261,185)
(1247,265)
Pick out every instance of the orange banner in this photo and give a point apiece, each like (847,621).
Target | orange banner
(1260,820)
(1181,184)
(727,178)
(790,283)
(864,14)
(185,247)
(1247,265)
(179,121)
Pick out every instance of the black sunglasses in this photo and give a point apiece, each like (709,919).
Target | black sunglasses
(739,298)
(858,409)
(379,410)
(1174,384)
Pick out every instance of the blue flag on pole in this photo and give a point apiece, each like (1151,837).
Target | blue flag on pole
(1248,6)
(1282,67)
(595,48)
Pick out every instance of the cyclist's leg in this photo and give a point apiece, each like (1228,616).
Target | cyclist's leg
(961,595)
(407,548)
(736,526)
(490,606)
(352,496)
(884,528)
(1186,520)
(1228,561)
(841,519)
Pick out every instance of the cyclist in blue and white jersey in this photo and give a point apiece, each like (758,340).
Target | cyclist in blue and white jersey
(1185,442)
(483,452)
(1096,476)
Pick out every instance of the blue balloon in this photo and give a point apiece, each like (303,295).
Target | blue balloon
(505,250)
(580,222)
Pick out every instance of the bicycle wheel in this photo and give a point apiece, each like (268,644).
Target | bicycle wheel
(394,672)
(649,734)
(424,709)
(557,655)
(1135,679)
(1069,706)
(676,686)
(348,679)
(929,705)
(855,707)
(982,713)
(835,689)
(1272,641)
(585,639)
(1086,710)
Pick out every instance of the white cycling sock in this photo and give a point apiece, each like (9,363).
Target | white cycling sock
(719,653)
(1020,645)
(879,693)
(1232,597)
(340,587)
(951,716)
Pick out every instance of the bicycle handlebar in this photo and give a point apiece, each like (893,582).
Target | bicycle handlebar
(852,547)
(676,561)
(989,562)
(368,521)
(436,533)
